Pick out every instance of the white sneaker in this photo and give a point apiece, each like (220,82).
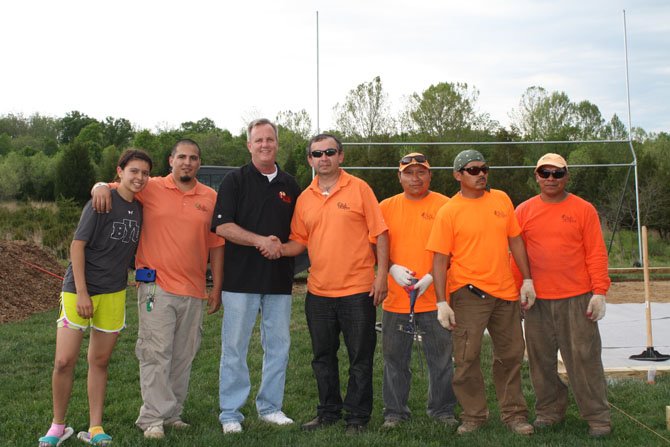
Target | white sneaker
(277,418)
(154,432)
(231,427)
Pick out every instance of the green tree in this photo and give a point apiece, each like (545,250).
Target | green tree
(74,173)
(71,124)
(14,168)
(93,138)
(446,108)
(204,125)
(365,112)
(117,131)
(106,169)
(297,122)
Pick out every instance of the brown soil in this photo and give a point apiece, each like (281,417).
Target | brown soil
(25,289)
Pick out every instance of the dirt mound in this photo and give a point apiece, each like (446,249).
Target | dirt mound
(24,289)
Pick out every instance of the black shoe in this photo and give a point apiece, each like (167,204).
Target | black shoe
(318,423)
(354,429)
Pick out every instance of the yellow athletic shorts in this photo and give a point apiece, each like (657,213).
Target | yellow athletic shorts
(109,312)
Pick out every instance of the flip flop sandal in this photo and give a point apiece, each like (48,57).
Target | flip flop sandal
(101,439)
(55,440)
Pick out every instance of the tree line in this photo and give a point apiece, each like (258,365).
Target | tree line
(44,158)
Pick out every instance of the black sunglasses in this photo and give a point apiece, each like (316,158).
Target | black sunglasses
(545,173)
(328,152)
(407,159)
(475,170)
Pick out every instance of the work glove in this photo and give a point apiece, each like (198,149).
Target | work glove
(422,285)
(402,275)
(527,294)
(596,309)
(445,315)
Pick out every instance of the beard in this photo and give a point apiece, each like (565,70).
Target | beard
(185,178)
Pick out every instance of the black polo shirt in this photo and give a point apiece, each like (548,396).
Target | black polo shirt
(247,199)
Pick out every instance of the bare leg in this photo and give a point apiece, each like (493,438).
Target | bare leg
(68,343)
(99,352)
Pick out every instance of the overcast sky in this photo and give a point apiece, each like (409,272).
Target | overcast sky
(160,63)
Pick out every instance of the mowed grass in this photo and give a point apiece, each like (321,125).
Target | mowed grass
(26,359)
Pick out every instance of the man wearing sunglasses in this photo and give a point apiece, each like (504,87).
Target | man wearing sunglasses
(336,217)
(471,239)
(253,213)
(568,259)
(410,216)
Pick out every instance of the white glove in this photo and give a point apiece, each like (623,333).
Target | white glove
(527,294)
(445,315)
(423,284)
(596,309)
(402,275)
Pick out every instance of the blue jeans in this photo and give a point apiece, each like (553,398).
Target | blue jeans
(354,316)
(239,316)
(397,349)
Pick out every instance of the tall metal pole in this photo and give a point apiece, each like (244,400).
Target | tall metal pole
(630,143)
(318,127)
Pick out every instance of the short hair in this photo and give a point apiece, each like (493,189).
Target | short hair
(187,142)
(261,122)
(321,137)
(134,154)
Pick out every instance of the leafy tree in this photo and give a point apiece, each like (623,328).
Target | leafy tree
(204,125)
(117,131)
(74,173)
(365,112)
(446,107)
(5,144)
(93,138)
(106,169)
(297,122)
(13,167)
(544,116)
(70,126)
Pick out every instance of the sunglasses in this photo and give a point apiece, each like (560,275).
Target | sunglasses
(408,159)
(328,152)
(475,170)
(545,173)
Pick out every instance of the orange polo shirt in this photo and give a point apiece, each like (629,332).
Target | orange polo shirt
(410,223)
(565,247)
(175,238)
(337,230)
(475,232)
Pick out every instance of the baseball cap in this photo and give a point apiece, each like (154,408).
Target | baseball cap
(465,157)
(552,159)
(415,158)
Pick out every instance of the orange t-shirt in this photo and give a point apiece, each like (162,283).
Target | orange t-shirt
(475,232)
(410,222)
(337,230)
(565,247)
(176,237)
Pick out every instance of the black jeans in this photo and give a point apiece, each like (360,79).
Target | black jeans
(354,316)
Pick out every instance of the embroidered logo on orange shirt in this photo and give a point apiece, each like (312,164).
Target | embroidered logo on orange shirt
(499,213)
(201,207)
(428,216)
(343,206)
(568,219)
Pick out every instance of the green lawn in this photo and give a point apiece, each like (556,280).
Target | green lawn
(26,358)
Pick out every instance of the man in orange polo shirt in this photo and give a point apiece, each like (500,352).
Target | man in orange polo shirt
(568,259)
(410,216)
(471,239)
(335,218)
(175,242)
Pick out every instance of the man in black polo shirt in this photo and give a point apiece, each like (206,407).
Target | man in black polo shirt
(253,213)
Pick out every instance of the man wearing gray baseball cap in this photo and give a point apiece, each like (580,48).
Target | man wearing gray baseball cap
(471,239)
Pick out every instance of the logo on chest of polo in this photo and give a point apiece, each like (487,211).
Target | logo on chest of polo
(501,214)
(201,207)
(427,215)
(285,197)
(343,206)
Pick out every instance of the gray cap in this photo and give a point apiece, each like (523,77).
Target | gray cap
(465,157)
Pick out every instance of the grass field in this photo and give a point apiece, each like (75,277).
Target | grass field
(26,358)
